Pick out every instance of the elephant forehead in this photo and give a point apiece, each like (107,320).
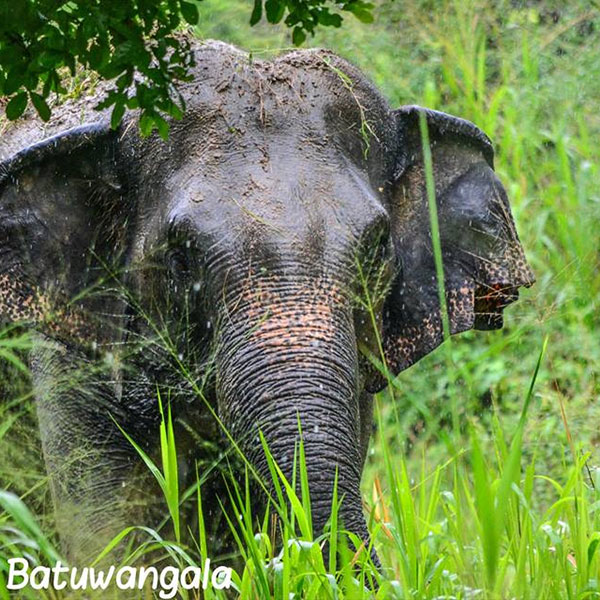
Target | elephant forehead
(224,155)
(315,205)
(306,102)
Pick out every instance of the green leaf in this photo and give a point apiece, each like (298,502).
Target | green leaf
(484,503)
(50,59)
(16,107)
(333,524)
(175,551)
(330,19)
(592,549)
(190,13)
(8,356)
(298,36)
(364,16)
(147,460)
(146,124)
(176,112)
(117,115)
(361,10)
(97,55)
(14,80)
(132,103)
(275,10)
(256,12)
(40,105)
(162,126)
(125,80)
(15,507)
(111,98)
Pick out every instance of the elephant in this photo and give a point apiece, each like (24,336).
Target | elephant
(266,269)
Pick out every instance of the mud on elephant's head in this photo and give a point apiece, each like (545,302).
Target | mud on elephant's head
(244,234)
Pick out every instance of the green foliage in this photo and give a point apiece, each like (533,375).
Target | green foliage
(433,220)
(133,43)
(168,478)
(467,528)
(305,15)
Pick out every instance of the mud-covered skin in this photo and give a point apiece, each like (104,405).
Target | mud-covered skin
(223,266)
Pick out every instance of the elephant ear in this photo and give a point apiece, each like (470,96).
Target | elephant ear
(59,231)
(483,261)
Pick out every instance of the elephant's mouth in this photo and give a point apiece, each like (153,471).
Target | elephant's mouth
(490,301)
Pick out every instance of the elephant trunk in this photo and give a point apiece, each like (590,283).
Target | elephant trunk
(291,361)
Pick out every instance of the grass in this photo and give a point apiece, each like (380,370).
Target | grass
(468,528)
(477,485)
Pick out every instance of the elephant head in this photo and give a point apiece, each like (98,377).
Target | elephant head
(288,190)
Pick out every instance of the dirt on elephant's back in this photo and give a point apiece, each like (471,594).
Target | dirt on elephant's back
(78,109)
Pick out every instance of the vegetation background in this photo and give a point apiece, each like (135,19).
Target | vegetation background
(452,515)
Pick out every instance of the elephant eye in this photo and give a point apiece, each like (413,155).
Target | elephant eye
(375,241)
(485,233)
(177,263)
(375,266)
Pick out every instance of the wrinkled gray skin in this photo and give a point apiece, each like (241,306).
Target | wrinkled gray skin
(241,241)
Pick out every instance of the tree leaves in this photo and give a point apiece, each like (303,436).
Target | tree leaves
(256,12)
(275,9)
(298,36)
(117,114)
(131,41)
(17,105)
(362,11)
(190,13)
(303,16)
(40,105)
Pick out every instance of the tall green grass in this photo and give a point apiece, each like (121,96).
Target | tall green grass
(468,528)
